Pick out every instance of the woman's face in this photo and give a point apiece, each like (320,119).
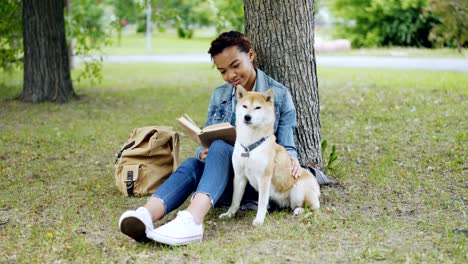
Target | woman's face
(236,67)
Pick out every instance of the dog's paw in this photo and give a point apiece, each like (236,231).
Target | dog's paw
(227,214)
(298,211)
(257,222)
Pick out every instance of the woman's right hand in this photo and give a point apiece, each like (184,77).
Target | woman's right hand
(203,154)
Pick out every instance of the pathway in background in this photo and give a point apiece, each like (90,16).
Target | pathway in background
(329,61)
(395,63)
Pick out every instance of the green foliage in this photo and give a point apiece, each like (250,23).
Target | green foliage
(229,15)
(190,14)
(88,33)
(85,29)
(87,22)
(92,71)
(223,14)
(124,9)
(187,15)
(184,15)
(163,14)
(369,23)
(453,29)
(329,167)
(11,40)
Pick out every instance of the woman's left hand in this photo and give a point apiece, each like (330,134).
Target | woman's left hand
(296,169)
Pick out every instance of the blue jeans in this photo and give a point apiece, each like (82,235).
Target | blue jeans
(210,177)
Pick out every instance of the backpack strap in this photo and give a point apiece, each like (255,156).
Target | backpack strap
(131,175)
(129,182)
(129,145)
(175,150)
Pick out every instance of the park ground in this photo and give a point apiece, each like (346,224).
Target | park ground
(401,176)
(167,43)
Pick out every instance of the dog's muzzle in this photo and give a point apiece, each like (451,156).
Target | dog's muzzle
(247,119)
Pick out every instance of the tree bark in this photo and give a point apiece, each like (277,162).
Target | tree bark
(46,64)
(282,33)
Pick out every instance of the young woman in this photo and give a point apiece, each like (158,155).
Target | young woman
(207,175)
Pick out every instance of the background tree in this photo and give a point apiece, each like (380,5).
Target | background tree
(229,15)
(454,22)
(370,23)
(162,14)
(191,14)
(88,32)
(283,35)
(85,27)
(187,15)
(125,12)
(46,65)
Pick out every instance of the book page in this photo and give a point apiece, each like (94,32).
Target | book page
(191,129)
(190,120)
(189,125)
(204,137)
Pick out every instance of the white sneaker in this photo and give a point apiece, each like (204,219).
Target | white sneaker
(136,224)
(180,231)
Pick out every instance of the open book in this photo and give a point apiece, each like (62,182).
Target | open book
(224,131)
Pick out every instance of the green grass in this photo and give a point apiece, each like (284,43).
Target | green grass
(401,137)
(168,43)
(161,43)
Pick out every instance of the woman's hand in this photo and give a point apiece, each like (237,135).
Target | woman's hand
(203,154)
(296,169)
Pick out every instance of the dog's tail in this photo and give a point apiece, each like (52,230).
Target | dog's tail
(311,192)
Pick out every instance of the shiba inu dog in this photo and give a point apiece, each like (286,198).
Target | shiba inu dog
(266,165)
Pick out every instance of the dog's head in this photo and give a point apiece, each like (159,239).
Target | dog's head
(255,109)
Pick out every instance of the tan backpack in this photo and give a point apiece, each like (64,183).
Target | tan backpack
(146,160)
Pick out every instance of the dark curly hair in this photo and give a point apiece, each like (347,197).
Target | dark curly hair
(229,39)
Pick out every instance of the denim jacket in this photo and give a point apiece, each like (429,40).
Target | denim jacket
(222,108)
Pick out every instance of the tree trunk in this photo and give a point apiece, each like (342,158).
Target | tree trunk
(46,65)
(282,33)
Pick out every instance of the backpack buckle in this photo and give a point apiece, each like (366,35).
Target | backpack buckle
(129,182)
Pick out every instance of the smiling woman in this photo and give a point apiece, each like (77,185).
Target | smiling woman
(235,62)
(209,176)
(236,67)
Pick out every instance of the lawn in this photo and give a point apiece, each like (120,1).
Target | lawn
(400,197)
(168,43)
(161,43)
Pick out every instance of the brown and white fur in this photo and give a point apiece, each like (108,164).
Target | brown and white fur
(268,167)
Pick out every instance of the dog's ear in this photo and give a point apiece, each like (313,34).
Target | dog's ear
(240,92)
(269,95)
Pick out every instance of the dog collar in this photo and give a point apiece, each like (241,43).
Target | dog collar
(251,147)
